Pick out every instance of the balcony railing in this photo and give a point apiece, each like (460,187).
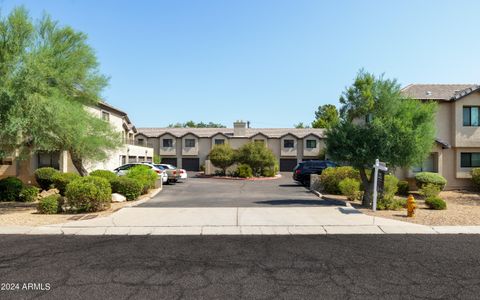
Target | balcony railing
(138,143)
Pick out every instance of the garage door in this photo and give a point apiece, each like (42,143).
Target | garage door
(287,164)
(191,164)
(170,161)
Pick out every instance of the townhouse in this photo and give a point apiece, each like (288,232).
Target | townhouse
(457,147)
(188,148)
(60,160)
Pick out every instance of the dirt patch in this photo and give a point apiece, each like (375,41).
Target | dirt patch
(463,208)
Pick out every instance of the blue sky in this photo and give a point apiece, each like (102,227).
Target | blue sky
(270,62)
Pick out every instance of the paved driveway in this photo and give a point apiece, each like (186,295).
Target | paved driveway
(208,192)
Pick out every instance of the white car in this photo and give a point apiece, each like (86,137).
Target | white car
(183,173)
(122,170)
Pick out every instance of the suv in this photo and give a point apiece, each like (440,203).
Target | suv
(302,171)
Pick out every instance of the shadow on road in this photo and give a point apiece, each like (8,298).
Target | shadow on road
(302,202)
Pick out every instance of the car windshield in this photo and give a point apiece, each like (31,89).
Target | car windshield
(160,167)
(168,166)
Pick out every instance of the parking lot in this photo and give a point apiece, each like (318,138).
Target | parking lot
(210,192)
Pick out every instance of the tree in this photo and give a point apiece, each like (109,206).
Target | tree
(192,124)
(300,125)
(48,74)
(222,156)
(157,159)
(258,156)
(398,130)
(326,116)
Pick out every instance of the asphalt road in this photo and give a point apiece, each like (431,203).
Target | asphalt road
(208,192)
(249,267)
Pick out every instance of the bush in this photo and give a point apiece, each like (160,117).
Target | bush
(89,194)
(476,177)
(108,175)
(49,205)
(29,193)
(10,188)
(391,203)
(258,156)
(43,176)
(390,186)
(146,176)
(61,180)
(351,188)
(430,190)
(423,178)
(331,177)
(244,171)
(222,156)
(403,188)
(271,171)
(128,187)
(436,203)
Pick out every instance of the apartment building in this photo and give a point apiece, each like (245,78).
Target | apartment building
(188,148)
(457,147)
(60,160)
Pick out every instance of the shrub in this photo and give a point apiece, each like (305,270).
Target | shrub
(49,205)
(391,203)
(29,193)
(403,188)
(108,175)
(423,178)
(430,190)
(331,177)
(476,177)
(43,176)
(258,156)
(271,172)
(10,188)
(89,194)
(128,187)
(390,186)
(146,176)
(222,156)
(350,187)
(61,180)
(436,203)
(244,171)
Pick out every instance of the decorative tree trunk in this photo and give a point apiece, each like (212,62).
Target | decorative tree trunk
(78,163)
(368,186)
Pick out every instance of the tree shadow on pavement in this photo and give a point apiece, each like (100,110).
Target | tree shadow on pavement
(302,202)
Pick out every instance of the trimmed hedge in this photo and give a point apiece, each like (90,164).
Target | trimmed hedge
(61,180)
(423,178)
(49,205)
(10,188)
(436,203)
(331,177)
(403,188)
(89,194)
(29,193)
(108,175)
(146,176)
(44,177)
(128,187)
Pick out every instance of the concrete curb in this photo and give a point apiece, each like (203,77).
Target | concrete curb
(145,198)
(320,195)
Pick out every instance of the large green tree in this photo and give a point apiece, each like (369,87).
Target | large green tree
(326,116)
(377,121)
(48,76)
(192,124)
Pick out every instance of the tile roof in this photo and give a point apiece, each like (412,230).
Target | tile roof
(445,92)
(250,132)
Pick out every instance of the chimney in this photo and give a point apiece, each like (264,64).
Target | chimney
(239,128)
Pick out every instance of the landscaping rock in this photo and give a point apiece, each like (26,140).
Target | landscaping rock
(118,198)
(50,192)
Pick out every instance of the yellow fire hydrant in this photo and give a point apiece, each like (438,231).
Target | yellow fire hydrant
(411,206)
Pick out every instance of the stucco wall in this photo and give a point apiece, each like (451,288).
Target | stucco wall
(466,136)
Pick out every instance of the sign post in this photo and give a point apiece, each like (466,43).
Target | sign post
(378,166)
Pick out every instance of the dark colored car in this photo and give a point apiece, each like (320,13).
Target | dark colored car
(303,170)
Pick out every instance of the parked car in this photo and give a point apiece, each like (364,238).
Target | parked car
(303,170)
(173,174)
(122,170)
(181,172)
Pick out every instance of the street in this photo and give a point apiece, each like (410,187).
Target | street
(253,267)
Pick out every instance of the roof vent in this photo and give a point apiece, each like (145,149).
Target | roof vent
(428,93)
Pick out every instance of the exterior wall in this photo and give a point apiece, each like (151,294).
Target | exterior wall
(312,152)
(167,150)
(218,137)
(205,145)
(114,159)
(466,136)
(288,151)
(444,120)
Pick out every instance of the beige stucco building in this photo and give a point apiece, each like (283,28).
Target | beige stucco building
(128,152)
(189,148)
(457,147)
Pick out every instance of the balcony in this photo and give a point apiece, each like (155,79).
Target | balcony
(138,143)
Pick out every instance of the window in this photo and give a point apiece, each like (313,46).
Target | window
(288,143)
(167,143)
(6,161)
(132,159)
(428,165)
(49,159)
(259,141)
(149,159)
(469,160)
(141,142)
(219,142)
(470,116)
(311,144)
(105,116)
(190,143)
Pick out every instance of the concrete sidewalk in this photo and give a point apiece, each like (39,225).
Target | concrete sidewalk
(241,220)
